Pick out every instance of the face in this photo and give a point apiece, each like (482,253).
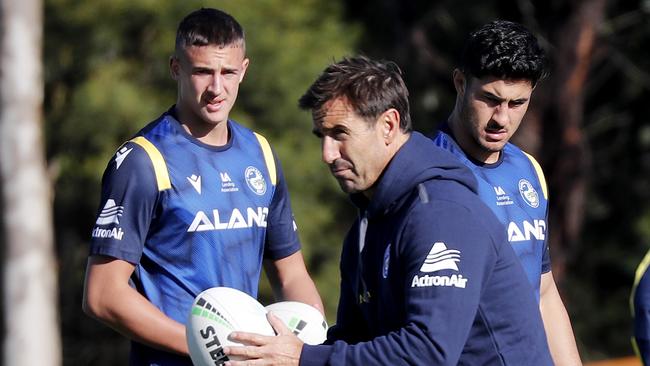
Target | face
(355,150)
(208,80)
(489,111)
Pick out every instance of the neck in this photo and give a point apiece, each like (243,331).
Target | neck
(207,133)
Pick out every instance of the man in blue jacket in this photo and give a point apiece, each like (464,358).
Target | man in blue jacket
(427,275)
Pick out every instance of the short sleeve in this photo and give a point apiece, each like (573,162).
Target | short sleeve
(281,232)
(127,205)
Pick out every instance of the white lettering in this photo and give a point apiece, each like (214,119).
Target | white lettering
(258,217)
(115,233)
(236,220)
(201,223)
(535,230)
(439,281)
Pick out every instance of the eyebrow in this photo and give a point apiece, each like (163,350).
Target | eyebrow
(321,131)
(495,97)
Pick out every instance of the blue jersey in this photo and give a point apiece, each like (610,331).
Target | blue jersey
(192,216)
(515,189)
(640,305)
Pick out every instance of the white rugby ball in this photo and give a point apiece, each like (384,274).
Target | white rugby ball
(303,320)
(215,313)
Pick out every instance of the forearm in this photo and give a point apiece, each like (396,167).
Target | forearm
(136,318)
(557,325)
(109,298)
(304,290)
(291,281)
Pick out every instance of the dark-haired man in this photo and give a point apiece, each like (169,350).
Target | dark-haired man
(499,69)
(194,201)
(427,276)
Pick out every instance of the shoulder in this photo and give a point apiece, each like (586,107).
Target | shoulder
(523,161)
(137,163)
(452,208)
(521,157)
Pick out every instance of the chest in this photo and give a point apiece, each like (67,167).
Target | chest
(516,196)
(216,190)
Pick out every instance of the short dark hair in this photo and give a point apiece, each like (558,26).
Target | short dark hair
(504,50)
(207,26)
(370,87)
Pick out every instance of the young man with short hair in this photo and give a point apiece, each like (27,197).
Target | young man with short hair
(193,201)
(499,69)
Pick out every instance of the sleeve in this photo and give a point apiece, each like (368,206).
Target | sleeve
(128,200)
(446,257)
(539,173)
(281,231)
(641,311)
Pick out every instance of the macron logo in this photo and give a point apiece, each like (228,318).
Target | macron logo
(120,156)
(110,213)
(195,181)
(440,257)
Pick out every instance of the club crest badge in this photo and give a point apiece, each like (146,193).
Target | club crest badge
(528,193)
(255,180)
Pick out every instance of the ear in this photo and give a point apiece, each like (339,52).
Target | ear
(174,67)
(459,82)
(389,125)
(244,67)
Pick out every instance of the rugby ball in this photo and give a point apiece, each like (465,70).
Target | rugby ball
(305,321)
(215,313)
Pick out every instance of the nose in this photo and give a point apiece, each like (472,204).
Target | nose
(216,85)
(501,115)
(330,150)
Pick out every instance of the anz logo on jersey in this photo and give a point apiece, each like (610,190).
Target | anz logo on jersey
(234,220)
(527,230)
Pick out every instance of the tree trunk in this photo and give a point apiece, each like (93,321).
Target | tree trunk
(32,334)
(566,152)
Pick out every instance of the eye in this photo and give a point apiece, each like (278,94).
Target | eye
(489,99)
(201,72)
(516,103)
(229,73)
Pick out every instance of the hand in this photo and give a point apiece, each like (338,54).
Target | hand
(282,349)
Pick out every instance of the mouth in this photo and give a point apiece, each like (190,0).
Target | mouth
(339,171)
(214,105)
(495,134)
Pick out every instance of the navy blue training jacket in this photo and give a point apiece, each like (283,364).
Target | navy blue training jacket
(436,282)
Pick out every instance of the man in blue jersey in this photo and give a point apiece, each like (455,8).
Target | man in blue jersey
(427,276)
(499,68)
(194,201)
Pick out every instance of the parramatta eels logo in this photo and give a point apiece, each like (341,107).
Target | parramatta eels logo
(528,193)
(255,180)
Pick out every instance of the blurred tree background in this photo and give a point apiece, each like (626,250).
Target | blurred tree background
(106,76)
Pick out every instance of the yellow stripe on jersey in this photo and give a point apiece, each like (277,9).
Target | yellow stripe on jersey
(540,174)
(640,270)
(268,157)
(159,165)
